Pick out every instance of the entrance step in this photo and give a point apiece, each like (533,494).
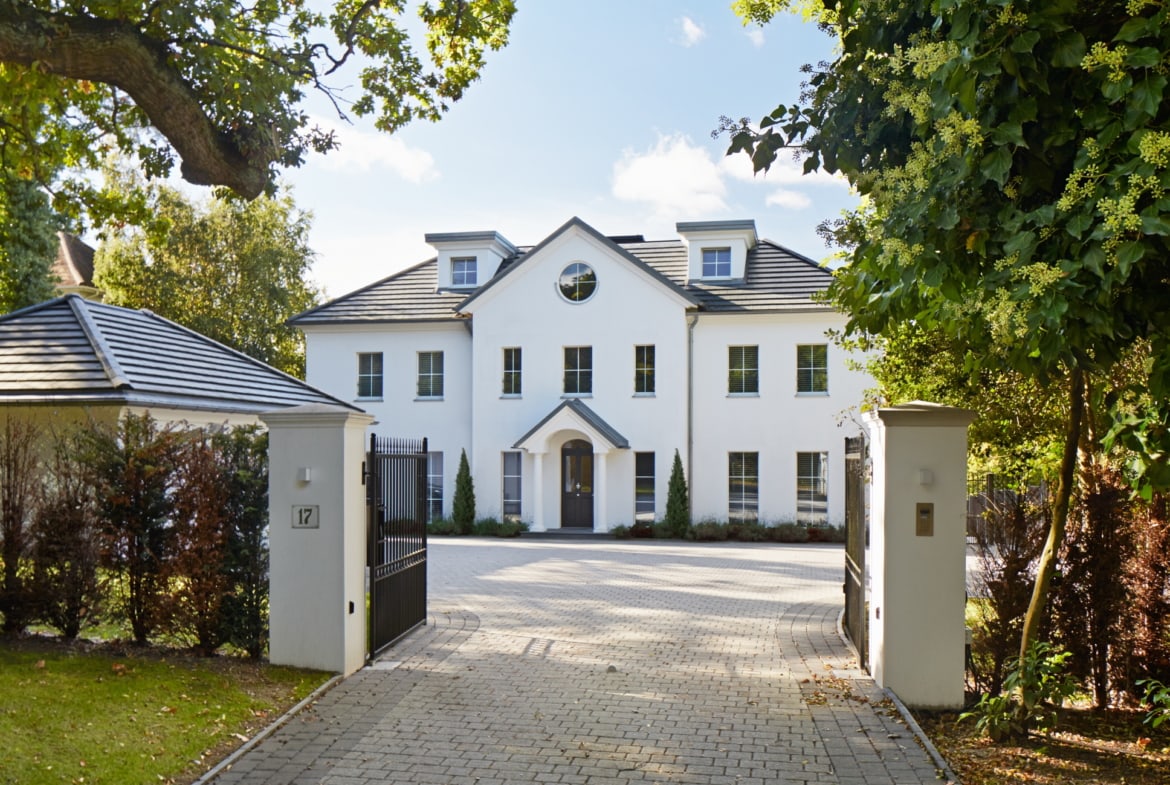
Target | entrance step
(567,532)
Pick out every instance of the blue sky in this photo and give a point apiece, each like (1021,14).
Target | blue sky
(601,109)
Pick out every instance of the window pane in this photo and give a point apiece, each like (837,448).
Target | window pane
(578,369)
(511,371)
(644,486)
(812,496)
(463,271)
(812,368)
(716,262)
(743,486)
(430,374)
(511,482)
(743,369)
(434,486)
(370,375)
(643,369)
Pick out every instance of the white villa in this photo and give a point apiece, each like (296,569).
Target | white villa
(571,371)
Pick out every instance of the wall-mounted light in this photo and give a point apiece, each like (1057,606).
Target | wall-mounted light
(925,477)
(305,475)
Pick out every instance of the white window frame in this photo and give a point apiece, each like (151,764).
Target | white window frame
(812,377)
(464,272)
(511,506)
(716,262)
(578,371)
(644,369)
(434,486)
(513,372)
(430,381)
(371,377)
(644,506)
(744,368)
(812,488)
(743,507)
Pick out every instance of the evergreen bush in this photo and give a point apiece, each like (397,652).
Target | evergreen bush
(678,513)
(463,506)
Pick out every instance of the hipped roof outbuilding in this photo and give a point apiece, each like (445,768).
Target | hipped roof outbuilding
(73,351)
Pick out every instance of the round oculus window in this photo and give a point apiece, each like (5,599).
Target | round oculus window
(577,282)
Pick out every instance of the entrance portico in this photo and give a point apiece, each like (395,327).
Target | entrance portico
(572,443)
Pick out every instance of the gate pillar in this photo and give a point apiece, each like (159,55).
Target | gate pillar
(917,555)
(317,537)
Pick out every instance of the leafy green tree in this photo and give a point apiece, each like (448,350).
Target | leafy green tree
(22,473)
(463,505)
(678,507)
(221,84)
(1013,161)
(28,243)
(245,456)
(232,270)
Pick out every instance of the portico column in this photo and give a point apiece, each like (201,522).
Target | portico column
(600,516)
(538,492)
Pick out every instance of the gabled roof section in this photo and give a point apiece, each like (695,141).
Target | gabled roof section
(572,414)
(73,350)
(777,279)
(408,296)
(574,222)
(74,263)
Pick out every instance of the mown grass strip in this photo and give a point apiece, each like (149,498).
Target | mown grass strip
(89,717)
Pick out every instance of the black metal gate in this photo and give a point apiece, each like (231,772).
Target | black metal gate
(396,492)
(856,538)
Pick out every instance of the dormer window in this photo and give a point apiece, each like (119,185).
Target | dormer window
(716,262)
(463,271)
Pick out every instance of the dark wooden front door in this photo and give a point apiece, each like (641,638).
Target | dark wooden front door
(577,484)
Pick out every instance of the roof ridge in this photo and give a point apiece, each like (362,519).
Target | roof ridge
(97,341)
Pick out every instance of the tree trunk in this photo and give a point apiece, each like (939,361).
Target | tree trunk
(1064,486)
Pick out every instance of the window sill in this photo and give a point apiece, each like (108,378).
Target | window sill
(368,399)
(645,395)
(425,399)
(822,394)
(511,397)
(744,395)
(577,395)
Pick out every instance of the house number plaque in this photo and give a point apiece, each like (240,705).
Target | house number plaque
(306,516)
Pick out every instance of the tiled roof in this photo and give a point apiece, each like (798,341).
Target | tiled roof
(72,350)
(74,263)
(590,417)
(777,279)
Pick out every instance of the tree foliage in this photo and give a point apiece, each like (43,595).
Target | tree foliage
(234,271)
(221,84)
(28,244)
(1013,160)
(463,505)
(21,474)
(678,506)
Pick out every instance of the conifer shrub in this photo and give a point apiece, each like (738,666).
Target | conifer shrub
(463,506)
(678,514)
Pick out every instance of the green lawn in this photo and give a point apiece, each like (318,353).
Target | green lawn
(141,717)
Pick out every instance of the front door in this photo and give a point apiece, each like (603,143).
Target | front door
(577,484)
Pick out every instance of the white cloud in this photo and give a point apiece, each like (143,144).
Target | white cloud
(675,177)
(756,36)
(793,200)
(364,151)
(691,31)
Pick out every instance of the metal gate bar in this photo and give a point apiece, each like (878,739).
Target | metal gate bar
(396,490)
(856,539)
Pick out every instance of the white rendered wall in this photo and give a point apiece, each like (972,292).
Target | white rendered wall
(778,423)
(917,597)
(331,353)
(628,309)
(317,610)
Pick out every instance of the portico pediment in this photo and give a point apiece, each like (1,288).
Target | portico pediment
(572,415)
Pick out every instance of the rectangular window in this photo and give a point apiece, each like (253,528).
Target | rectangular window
(743,369)
(463,271)
(743,486)
(434,486)
(812,368)
(643,369)
(430,374)
(812,488)
(511,371)
(716,262)
(644,486)
(578,370)
(511,497)
(370,375)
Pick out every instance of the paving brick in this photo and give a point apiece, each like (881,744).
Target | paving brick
(598,663)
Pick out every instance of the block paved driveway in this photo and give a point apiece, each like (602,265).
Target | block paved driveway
(608,662)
